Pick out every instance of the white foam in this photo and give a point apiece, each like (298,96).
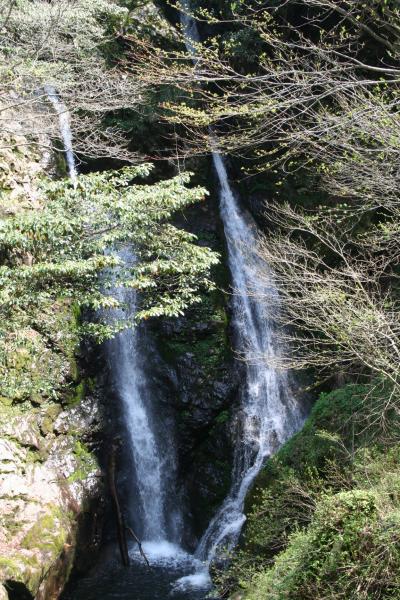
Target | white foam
(270,413)
(200,580)
(163,550)
(162,553)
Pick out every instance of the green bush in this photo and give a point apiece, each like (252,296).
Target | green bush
(351,551)
(322,518)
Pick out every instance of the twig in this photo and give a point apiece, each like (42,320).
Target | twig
(135,537)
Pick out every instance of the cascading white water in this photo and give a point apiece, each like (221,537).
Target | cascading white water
(269,414)
(65,130)
(149,440)
(131,385)
(154,465)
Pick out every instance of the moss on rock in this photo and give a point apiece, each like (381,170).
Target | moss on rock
(49,533)
(39,374)
(322,516)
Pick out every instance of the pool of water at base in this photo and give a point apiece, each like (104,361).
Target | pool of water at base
(172,575)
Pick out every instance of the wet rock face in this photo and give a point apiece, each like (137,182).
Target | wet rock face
(200,372)
(201,383)
(48,473)
(203,403)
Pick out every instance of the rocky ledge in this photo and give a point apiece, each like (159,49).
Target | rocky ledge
(47,479)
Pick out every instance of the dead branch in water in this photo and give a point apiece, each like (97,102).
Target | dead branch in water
(139,543)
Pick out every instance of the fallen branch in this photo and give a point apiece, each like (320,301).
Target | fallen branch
(135,537)
(121,528)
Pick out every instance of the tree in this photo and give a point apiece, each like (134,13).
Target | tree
(338,309)
(321,102)
(61,250)
(315,99)
(76,48)
(67,253)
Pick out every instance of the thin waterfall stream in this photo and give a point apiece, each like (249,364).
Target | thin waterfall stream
(152,454)
(153,458)
(153,493)
(153,499)
(64,120)
(269,413)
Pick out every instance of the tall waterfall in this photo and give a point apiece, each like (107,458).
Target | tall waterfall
(154,506)
(269,414)
(64,120)
(153,500)
(151,450)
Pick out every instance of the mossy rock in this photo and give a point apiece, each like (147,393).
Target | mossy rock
(10,568)
(48,534)
(50,415)
(347,552)
(209,345)
(86,463)
(325,508)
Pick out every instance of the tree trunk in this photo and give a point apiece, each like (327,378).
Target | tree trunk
(121,527)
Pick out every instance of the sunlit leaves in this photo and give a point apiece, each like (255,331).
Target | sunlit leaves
(62,249)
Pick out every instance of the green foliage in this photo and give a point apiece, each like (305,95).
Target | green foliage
(51,41)
(85,460)
(222,418)
(57,259)
(322,517)
(59,251)
(350,551)
(49,534)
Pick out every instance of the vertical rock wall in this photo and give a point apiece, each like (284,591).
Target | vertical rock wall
(47,470)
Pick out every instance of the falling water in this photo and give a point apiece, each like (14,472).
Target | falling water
(65,129)
(152,456)
(153,465)
(269,414)
(153,498)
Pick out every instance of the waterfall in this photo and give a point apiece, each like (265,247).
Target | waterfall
(130,383)
(153,503)
(65,130)
(152,453)
(269,414)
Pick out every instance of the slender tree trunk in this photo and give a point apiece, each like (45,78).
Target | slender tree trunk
(120,521)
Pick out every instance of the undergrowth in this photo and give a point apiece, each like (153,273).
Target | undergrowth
(323,517)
